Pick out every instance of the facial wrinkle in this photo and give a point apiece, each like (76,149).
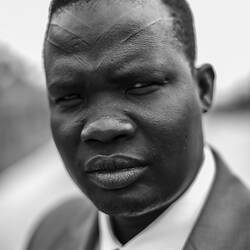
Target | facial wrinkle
(127,58)
(66,51)
(83,42)
(143,29)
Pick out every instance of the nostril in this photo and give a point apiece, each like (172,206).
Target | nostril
(120,137)
(107,130)
(106,140)
(106,135)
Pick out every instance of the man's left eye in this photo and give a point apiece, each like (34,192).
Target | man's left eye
(144,88)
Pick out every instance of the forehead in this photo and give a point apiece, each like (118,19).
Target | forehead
(103,29)
(116,20)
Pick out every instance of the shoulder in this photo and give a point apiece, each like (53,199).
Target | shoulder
(61,224)
(230,185)
(229,195)
(224,222)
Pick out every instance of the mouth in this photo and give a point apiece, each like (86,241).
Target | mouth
(115,171)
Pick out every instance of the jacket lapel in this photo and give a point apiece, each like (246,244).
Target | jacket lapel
(225,211)
(90,231)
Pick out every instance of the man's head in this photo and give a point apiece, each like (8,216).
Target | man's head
(126,100)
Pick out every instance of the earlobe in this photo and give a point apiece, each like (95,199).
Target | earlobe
(205,77)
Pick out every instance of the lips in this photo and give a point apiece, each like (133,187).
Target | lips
(114,172)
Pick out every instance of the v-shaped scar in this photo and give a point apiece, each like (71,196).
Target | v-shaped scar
(134,34)
(142,29)
(72,34)
(113,24)
(67,51)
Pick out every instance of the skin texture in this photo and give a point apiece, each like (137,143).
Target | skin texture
(119,83)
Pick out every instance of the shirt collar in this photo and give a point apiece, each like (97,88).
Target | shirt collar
(172,228)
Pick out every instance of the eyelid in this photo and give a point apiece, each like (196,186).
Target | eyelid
(141,85)
(67,98)
(147,84)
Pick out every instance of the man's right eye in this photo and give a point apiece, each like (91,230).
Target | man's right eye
(69,100)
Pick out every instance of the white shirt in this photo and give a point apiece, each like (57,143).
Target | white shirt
(172,228)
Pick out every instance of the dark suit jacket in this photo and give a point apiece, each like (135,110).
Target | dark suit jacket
(224,223)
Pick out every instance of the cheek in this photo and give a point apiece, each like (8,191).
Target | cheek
(172,126)
(170,114)
(66,131)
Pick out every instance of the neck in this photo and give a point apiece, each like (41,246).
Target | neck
(127,227)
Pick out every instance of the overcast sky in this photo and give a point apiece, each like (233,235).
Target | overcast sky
(222,27)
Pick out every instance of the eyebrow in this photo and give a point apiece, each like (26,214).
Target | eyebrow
(121,80)
(61,86)
(138,72)
(128,66)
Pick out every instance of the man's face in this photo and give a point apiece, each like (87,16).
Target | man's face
(125,111)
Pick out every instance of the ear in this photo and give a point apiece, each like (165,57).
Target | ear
(205,78)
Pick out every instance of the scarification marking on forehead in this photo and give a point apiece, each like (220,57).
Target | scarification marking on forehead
(129,37)
(80,43)
(69,25)
(143,29)
(67,39)
(64,21)
(69,32)
(67,51)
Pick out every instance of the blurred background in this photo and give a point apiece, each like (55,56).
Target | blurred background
(32,177)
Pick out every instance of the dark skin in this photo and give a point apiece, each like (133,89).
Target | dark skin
(120,83)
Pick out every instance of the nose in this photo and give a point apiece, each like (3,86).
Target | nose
(107,129)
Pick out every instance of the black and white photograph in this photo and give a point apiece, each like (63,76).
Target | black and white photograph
(125,125)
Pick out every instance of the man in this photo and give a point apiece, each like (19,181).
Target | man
(126,102)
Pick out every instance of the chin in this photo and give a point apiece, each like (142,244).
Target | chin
(131,207)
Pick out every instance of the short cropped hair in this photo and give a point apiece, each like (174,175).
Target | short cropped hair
(183,24)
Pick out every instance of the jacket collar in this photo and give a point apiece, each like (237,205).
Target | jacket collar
(219,225)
